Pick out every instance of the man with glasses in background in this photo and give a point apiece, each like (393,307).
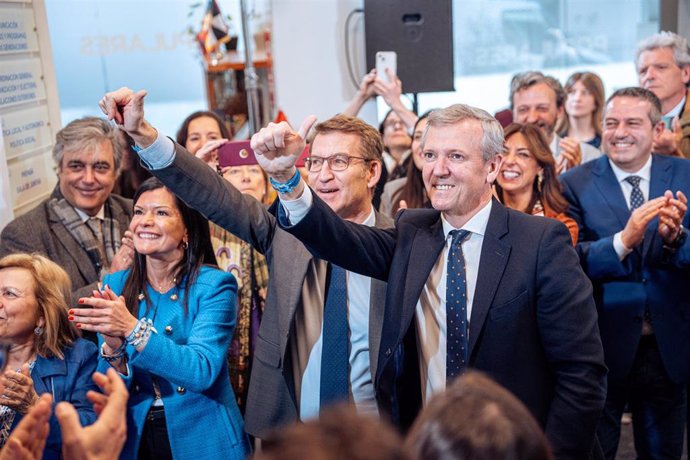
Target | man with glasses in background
(319,335)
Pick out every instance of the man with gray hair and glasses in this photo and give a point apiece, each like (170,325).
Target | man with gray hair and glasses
(539,99)
(663,67)
(471,284)
(82,225)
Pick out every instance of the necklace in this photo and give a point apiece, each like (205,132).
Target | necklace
(162,289)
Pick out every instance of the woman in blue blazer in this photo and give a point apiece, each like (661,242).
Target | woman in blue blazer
(165,325)
(45,354)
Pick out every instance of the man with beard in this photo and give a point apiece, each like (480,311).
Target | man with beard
(538,99)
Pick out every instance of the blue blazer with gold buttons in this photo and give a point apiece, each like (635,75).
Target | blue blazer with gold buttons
(187,358)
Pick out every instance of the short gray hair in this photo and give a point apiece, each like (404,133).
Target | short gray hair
(642,94)
(677,43)
(531,78)
(492,138)
(84,133)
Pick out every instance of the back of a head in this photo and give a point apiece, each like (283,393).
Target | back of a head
(339,434)
(476,419)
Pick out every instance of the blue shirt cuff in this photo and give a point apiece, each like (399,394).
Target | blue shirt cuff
(158,155)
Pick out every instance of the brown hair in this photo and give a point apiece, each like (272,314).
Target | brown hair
(371,145)
(595,86)
(338,434)
(183,132)
(52,289)
(525,80)
(476,419)
(550,194)
(413,192)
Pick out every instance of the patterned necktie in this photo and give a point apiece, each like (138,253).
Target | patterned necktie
(456,307)
(636,197)
(96,226)
(335,354)
(668,123)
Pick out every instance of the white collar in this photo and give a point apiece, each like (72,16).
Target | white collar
(477,223)
(645,172)
(84,217)
(675,112)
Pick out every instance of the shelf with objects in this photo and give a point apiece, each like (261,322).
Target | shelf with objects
(229,80)
(225,87)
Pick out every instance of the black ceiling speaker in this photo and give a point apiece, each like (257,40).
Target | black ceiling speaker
(421,33)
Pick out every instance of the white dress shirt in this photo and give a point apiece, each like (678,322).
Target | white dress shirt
(430,313)
(644,173)
(161,154)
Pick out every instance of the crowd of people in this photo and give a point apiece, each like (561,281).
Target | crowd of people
(389,295)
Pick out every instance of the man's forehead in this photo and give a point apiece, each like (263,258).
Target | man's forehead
(535,94)
(624,106)
(90,153)
(457,136)
(335,142)
(662,53)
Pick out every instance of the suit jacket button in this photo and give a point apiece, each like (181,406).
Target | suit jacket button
(388,353)
(181,390)
(168,329)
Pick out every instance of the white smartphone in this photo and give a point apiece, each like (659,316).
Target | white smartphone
(386,60)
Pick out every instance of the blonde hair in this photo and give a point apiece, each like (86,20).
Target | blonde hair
(53,293)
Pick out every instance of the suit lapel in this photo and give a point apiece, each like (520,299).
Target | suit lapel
(426,247)
(610,190)
(493,260)
(73,248)
(292,283)
(44,370)
(377,302)
(659,181)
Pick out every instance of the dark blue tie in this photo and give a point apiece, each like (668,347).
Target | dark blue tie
(335,353)
(456,307)
(636,197)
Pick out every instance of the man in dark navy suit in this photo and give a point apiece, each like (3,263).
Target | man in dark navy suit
(470,283)
(631,210)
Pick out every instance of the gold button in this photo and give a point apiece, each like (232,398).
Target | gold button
(181,390)
(168,329)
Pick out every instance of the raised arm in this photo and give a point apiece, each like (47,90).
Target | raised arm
(188,177)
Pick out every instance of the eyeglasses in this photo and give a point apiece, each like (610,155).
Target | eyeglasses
(335,162)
